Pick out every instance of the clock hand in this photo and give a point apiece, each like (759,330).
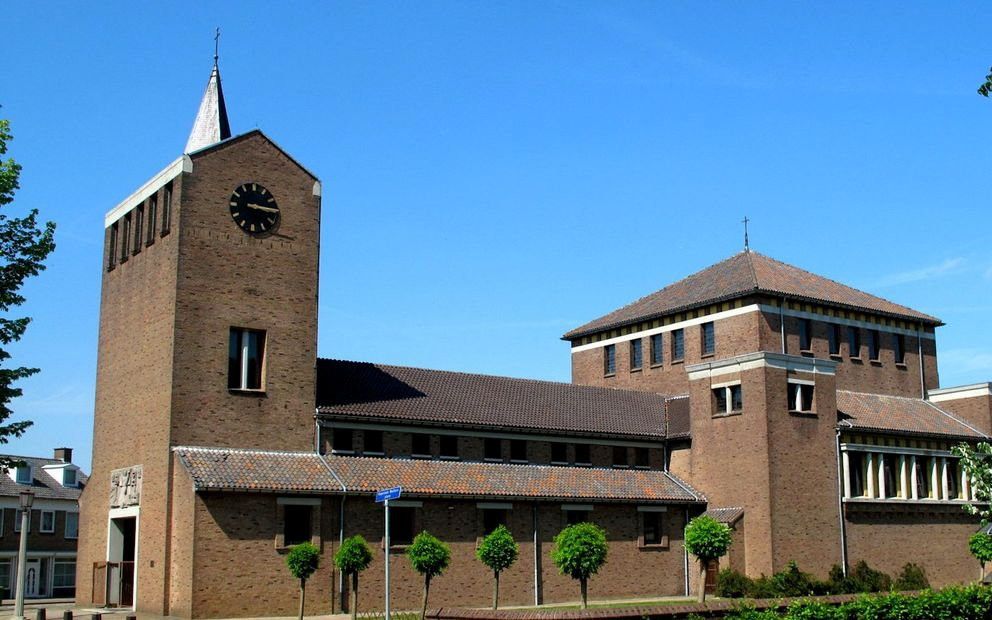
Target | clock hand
(252,205)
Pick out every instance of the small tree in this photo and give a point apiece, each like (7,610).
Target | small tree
(707,539)
(498,551)
(977,464)
(429,557)
(302,561)
(980,544)
(579,552)
(353,557)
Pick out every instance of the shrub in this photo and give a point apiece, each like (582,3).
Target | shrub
(748,612)
(794,582)
(763,587)
(707,539)
(732,584)
(579,552)
(813,610)
(912,577)
(866,579)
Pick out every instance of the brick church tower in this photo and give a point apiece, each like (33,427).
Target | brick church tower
(208,336)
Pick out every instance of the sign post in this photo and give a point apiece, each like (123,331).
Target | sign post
(384,496)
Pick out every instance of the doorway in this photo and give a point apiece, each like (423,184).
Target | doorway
(32,573)
(120,561)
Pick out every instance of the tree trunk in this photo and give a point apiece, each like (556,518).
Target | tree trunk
(582,588)
(427,590)
(702,581)
(983,572)
(354,595)
(496,590)
(303,594)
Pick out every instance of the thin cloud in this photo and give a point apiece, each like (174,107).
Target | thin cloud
(966,364)
(949,265)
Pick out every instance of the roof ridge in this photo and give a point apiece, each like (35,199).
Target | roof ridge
(750,266)
(879,394)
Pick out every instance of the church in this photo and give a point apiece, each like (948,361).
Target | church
(805,414)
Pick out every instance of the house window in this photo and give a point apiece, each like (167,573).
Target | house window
(449,446)
(708,337)
(5,585)
(727,399)
(63,574)
(112,246)
(47,522)
(620,456)
(854,342)
(582,454)
(678,345)
(573,516)
(152,218)
(23,474)
(344,441)
(166,209)
(69,477)
(493,449)
(800,397)
(139,220)
(610,359)
(518,450)
(125,240)
(899,348)
(874,344)
(296,524)
(246,354)
(642,459)
(833,335)
(805,334)
(420,445)
(373,442)
(72,525)
(858,466)
(401,525)
(636,358)
(657,350)
(492,518)
(651,528)
(17,520)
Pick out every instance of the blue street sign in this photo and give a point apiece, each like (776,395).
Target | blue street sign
(388,494)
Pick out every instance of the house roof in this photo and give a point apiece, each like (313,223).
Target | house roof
(44,486)
(899,414)
(401,394)
(677,417)
(223,469)
(725,515)
(743,274)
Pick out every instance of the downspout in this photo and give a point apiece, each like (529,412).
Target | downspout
(781,323)
(685,552)
(919,349)
(344,496)
(537,560)
(840,508)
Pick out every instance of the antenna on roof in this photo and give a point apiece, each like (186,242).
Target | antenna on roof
(216,45)
(747,246)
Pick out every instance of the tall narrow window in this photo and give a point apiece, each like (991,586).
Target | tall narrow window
(402,525)
(582,454)
(923,477)
(874,344)
(657,350)
(833,335)
(296,524)
(125,240)
(889,463)
(636,358)
(245,359)
(651,526)
(853,342)
(857,467)
(899,348)
(800,397)
(449,446)
(166,209)
(678,345)
(139,220)
(642,458)
(518,450)
(420,445)
(805,334)
(708,337)
(71,525)
(610,359)
(719,400)
(953,479)
(112,246)
(152,219)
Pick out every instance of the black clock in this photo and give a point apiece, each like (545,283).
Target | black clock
(254,209)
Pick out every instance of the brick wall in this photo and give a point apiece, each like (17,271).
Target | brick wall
(37,540)
(976,411)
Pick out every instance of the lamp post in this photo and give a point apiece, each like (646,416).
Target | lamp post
(27,498)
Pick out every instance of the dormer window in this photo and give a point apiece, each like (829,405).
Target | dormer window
(69,477)
(22,474)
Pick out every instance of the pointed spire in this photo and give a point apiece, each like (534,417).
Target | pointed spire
(211,125)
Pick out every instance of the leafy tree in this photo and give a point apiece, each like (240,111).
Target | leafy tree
(986,86)
(302,561)
(579,552)
(980,545)
(912,577)
(429,557)
(498,551)
(23,248)
(977,463)
(707,539)
(353,557)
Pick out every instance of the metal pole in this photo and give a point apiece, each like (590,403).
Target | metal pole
(387,559)
(22,553)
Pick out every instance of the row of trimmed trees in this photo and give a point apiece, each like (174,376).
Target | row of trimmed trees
(579,551)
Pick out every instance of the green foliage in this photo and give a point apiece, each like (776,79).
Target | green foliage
(498,550)
(980,545)
(986,86)
(732,584)
(23,248)
(976,462)
(428,555)
(814,610)
(912,577)
(763,587)
(746,611)
(580,550)
(353,556)
(303,560)
(706,538)
(866,579)
(794,582)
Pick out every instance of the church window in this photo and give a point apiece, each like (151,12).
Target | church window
(166,209)
(709,338)
(800,397)
(420,445)
(874,344)
(651,532)
(343,441)
(636,358)
(518,450)
(296,524)
(152,219)
(805,334)
(246,356)
(678,345)
(641,458)
(139,219)
(582,454)
(610,359)
(112,246)
(899,348)
(493,449)
(620,456)
(125,239)
(449,446)
(727,399)
(833,335)
(854,342)
(559,453)
(402,523)
(657,350)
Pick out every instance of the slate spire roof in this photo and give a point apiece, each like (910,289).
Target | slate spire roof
(747,273)
(211,124)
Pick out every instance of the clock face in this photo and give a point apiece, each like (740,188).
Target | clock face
(254,209)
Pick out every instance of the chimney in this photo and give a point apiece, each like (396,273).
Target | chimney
(63,454)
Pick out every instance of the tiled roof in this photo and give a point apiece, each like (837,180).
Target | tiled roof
(743,274)
(677,417)
(401,394)
(44,485)
(725,515)
(303,472)
(898,414)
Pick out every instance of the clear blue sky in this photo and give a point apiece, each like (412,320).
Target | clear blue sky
(497,173)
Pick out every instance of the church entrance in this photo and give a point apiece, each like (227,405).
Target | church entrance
(120,561)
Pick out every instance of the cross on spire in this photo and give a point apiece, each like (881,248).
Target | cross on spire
(745,221)
(216,45)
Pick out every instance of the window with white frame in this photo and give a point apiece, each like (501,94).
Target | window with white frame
(72,525)
(728,399)
(800,396)
(23,474)
(17,521)
(47,522)
(64,574)
(246,357)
